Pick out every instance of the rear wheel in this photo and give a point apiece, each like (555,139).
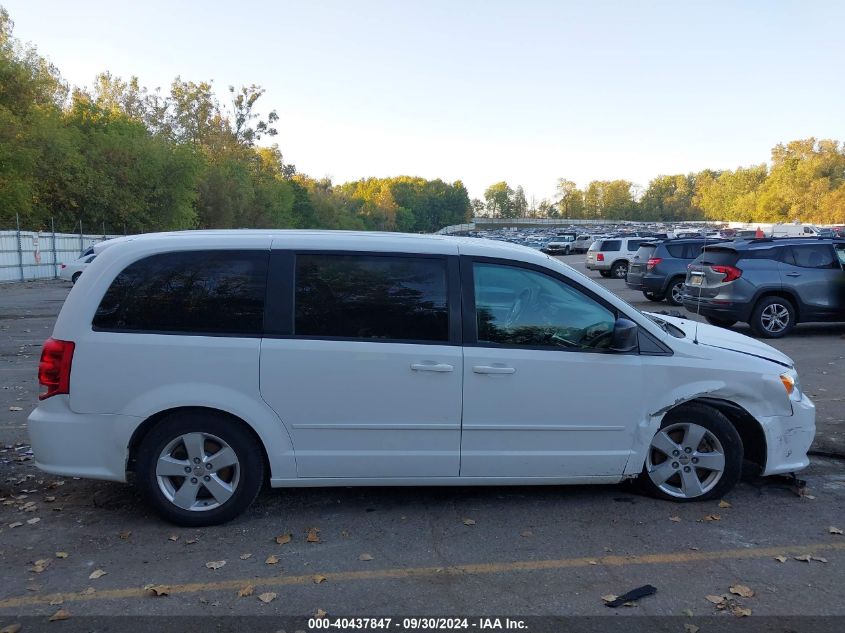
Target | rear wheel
(75,277)
(653,296)
(199,468)
(696,455)
(619,270)
(675,291)
(719,322)
(773,317)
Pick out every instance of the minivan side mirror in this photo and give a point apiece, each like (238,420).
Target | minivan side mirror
(625,336)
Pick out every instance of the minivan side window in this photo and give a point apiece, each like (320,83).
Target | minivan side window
(610,245)
(517,306)
(219,292)
(814,256)
(371,297)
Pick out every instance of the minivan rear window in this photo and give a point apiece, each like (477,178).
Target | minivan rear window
(382,297)
(219,292)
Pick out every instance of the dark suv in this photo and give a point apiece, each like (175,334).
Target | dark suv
(659,268)
(771,284)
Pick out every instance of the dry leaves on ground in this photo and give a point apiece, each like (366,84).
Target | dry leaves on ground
(834,530)
(33,521)
(267,597)
(284,539)
(741,590)
(739,611)
(365,556)
(245,556)
(272,559)
(173,537)
(319,613)
(469,522)
(724,504)
(712,517)
(691,628)
(125,534)
(780,559)
(160,590)
(11,628)
(246,591)
(88,591)
(526,533)
(40,565)
(804,558)
(715,599)
(675,519)
(97,573)
(215,564)
(61,614)
(313,535)
(317,578)
(61,554)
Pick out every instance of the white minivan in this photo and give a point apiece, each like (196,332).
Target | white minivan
(202,364)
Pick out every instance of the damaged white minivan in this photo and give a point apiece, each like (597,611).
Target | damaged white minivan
(202,364)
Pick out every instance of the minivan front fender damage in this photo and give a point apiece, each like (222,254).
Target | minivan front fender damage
(751,399)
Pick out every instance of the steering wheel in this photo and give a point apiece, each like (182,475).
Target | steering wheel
(518,308)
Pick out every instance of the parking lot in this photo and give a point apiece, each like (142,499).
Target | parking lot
(92,548)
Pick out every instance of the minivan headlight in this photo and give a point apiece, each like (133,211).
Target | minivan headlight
(792,385)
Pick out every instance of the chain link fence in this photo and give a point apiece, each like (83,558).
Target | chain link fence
(32,255)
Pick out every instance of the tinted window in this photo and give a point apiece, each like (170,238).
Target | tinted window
(611,245)
(213,292)
(814,256)
(371,297)
(718,256)
(840,253)
(763,253)
(634,244)
(676,250)
(517,306)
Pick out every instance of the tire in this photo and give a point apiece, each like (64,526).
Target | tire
(653,296)
(237,485)
(75,277)
(725,454)
(619,270)
(720,322)
(604,273)
(674,291)
(773,317)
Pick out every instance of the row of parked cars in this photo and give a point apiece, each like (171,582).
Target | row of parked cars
(770,283)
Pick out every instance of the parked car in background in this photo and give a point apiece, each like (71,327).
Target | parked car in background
(561,245)
(610,256)
(771,284)
(582,243)
(72,271)
(206,365)
(659,268)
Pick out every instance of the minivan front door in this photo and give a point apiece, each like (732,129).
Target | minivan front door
(543,396)
(367,379)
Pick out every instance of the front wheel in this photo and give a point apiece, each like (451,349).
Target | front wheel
(199,468)
(696,455)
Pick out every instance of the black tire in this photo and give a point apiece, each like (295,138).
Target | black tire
(720,322)
(674,291)
(653,296)
(75,277)
(721,428)
(604,273)
(761,317)
(249,468)
(619,270)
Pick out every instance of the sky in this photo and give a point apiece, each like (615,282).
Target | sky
(525,91)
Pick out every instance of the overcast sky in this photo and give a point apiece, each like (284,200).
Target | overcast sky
(484,91)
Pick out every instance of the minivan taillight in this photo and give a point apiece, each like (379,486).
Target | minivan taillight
(731,273)
(652,262)
(54,368)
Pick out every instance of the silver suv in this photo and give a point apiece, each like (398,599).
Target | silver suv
(611,255)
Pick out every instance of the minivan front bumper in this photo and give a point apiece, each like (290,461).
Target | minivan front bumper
(93,446)
(788,438)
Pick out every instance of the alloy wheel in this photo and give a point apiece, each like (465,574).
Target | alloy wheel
(685,460)
(774,318)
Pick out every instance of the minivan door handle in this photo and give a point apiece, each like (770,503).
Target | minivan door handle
(793,274)
(438,367)
(488,369)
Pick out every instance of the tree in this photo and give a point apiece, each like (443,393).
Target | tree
(570,199)
(499,199)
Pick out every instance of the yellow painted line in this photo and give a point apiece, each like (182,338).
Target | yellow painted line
(418,572)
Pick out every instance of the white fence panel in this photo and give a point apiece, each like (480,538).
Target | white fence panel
(31,255)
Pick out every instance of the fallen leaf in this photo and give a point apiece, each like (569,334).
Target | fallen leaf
(780,559)
(32,521)
(15,524)
(724,504)
(526,533)
(267,597)
(215,564)
(469,522)
(834,530)
(191,541)
(713,517)
(609,597)
(317,578)
(173,537)
(804,558)
(160,590)
(715,599)
(741,590)
(272,559)
(365,557)
(313,537)
(820,559)
(15,408)
(56,602)
(740,612)
(246,591)
(593,562)
(245,556)
(40,565)
(687,612)
(319,613)
(87,592)
(125,534)
(344,533)
(284,539)
(11,628)
(61,614)
(50,499)
(675,519)
(97,573)
(691,628)
(61,554)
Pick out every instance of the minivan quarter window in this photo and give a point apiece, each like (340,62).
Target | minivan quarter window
(218,292)
(381,297)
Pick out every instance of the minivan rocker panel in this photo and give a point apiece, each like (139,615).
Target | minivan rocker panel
(503,381)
